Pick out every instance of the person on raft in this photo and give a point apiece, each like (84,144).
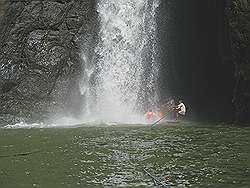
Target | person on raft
(180,110)
(151,116)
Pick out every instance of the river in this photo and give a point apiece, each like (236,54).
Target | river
(179,155)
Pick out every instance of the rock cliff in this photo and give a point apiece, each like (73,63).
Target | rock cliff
(41,44)
(238,12)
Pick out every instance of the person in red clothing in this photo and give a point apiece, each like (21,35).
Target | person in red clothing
(150,115)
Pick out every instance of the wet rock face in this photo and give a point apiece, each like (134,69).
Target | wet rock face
(3,5)
(239,25)
(41,43)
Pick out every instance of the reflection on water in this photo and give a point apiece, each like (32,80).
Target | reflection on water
(110,156)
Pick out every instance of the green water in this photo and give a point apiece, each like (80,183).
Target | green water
(179,155)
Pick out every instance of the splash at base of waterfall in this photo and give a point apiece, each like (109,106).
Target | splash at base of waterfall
(115,118)
(71,123)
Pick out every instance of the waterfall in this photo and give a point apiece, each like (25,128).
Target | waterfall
(126,68)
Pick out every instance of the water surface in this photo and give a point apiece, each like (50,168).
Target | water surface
(180,155)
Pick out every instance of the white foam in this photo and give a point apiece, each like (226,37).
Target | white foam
(23,125)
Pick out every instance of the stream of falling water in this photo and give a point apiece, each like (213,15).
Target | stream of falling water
(126,66)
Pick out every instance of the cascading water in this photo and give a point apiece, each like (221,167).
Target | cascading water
(126,65)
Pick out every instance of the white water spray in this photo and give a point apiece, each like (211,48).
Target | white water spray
(126,67)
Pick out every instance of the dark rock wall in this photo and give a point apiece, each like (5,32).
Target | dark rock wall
(3,5)
(41,43)
(238,12)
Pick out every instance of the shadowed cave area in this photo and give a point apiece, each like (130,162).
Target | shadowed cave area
(196,58)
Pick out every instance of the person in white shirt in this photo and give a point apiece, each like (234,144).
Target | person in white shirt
(181,110)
